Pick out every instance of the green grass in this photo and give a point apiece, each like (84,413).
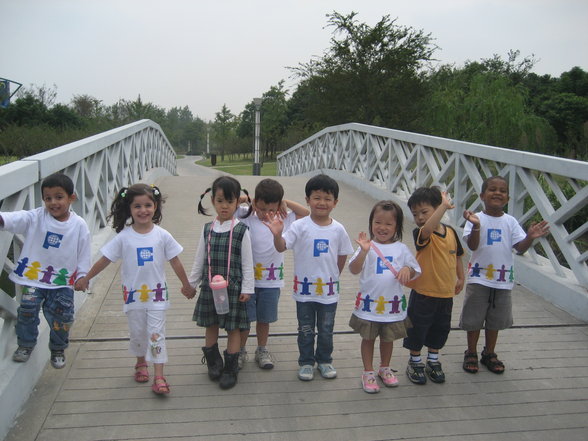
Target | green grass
(240,166)
(7,159)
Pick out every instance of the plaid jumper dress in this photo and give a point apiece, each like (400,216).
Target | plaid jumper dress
(204,313)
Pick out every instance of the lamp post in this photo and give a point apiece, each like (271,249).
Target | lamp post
(256,164)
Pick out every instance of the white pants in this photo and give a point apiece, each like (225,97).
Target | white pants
(147,334)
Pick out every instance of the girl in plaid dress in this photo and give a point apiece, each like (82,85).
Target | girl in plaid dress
(224,249)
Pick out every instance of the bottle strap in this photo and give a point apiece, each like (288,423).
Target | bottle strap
(384,260)
(230,247)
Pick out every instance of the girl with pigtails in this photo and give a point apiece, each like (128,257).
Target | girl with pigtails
(144,247)
(224,251)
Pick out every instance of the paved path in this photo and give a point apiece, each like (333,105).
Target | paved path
(543,395)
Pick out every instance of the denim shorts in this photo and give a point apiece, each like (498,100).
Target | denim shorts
(263,305)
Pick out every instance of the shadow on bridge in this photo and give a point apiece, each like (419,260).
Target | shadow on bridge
(541,396)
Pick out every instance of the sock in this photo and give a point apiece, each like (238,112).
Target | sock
(415,358)
(433,356)
(369,373)
(260,348)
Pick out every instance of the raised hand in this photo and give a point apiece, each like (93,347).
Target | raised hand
(446,200)
(538,229)
(471,216)
(363,242)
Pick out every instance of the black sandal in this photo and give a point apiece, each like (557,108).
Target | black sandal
(470,362)
(491,361)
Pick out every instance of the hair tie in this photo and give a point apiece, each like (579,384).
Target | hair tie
(123,193)
(155,190)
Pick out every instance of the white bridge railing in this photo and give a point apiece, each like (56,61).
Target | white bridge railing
(396,163)
(98,166)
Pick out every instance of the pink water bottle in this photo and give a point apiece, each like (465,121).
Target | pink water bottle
(218,284)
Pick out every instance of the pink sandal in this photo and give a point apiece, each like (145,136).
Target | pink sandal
(160,388)
(141,373)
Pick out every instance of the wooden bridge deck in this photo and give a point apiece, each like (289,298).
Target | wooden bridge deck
(543,395)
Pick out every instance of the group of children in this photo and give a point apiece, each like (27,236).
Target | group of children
(239,259)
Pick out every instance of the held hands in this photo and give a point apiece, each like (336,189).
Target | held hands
(82,284)
(188,291)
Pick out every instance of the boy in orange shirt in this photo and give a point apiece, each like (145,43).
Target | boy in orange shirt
(430,304)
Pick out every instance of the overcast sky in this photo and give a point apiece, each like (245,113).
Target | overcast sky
(204,54)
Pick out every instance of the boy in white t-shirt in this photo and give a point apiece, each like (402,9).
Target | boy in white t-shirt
(320,245)
(268,268)
(491,235)
(56,253)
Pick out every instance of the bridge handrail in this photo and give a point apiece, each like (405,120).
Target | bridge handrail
(98,166)
(398,162)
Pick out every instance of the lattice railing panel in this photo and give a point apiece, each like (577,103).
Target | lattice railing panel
(541,187)
(98,166)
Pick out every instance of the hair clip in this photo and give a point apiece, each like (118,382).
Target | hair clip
(123,194)
(155,190)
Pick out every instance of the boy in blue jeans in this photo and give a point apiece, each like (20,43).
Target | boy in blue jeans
(56,252)
(320,245)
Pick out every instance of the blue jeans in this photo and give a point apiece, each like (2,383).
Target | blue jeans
(262,306)
(58,309)
(311,316)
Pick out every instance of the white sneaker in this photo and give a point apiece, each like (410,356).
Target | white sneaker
(243,357)
(306,372)
(327,370)
(57,359)
(264,358)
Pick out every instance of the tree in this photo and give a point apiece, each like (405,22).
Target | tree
(485,103)
(86,106)
(370,75)
(223,125)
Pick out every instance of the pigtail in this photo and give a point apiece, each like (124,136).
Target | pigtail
(120,210)
(201,209)
(159,200)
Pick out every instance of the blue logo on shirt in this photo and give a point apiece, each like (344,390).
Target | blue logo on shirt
(494,235)
(144,255)
(381,266)
(320,246)
(52,240)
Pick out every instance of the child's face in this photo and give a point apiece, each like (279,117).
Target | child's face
(225,208)
(57,202)
(421,213)
(142,210)
(495,197)
(384,226)
(321,204)
(264,209)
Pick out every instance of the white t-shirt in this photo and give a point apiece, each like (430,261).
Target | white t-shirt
(143,266)
(492,264)
(316,251)
(381,297)
(268,263)
(55,254)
